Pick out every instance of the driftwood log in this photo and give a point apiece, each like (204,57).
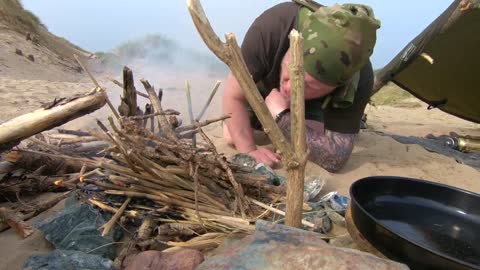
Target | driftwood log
(296,172)
(157,105)
(8,218)
(128,105)
(16,222)
(230,53)
(55,114)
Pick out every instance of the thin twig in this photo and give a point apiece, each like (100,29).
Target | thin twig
(121,85)
(106,245)
(107,227)
(87,71)
(190,112)
(280,212)
(212,94)
(201,124)
(157,105)
(194,174)
(53,148)
(141,117)
(239,194)
(117,142)
(97,85)
(105,207)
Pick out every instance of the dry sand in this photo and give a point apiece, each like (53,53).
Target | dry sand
(374,154)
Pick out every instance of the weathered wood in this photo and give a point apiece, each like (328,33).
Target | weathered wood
(296,172)
(201,124)
(157,105)
(280,212)
(145,230)
(35,122)
(64,139)
(98,87)
(6,167)
(190,112)
(107,227)
(230,53)
(210,98)
(16,222)
(31,159)
(143,117)
(29,185)
(121,86)
(128,106)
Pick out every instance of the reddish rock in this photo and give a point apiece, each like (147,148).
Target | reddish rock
(184,259)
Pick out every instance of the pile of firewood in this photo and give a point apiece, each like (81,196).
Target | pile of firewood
(150,176)
(159,176)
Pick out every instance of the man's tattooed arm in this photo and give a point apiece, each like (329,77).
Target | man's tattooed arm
(330,150)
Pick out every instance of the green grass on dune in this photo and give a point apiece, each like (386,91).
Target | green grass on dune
(17,17)
(391,95)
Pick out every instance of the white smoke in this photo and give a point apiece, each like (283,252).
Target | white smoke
(168,65)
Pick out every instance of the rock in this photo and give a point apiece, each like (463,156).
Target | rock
(343,242)
(31,58)
(184,259)
(275,246)
(65,259)
(76,228)
(19,52)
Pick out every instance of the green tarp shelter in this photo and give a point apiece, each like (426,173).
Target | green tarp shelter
(441,65)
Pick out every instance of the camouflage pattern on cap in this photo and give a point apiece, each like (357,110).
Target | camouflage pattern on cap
(338,40)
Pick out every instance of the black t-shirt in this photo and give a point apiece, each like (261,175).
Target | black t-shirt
(263,48)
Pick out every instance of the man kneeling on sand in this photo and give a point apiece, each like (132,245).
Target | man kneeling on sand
(338,42)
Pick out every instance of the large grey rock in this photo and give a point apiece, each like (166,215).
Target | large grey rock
(275,247)
(184,259)
(67,260)
(76,228)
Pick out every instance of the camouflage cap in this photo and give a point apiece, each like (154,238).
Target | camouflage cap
(338,40)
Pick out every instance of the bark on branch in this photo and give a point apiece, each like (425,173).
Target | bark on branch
(157,105)
(296,172)
(57,114)
(231,55)
(294,158)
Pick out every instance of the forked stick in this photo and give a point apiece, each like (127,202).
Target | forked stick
(294,158)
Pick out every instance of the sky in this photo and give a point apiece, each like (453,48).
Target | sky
(101,25)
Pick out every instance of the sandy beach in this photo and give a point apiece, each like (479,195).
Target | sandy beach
(25,86)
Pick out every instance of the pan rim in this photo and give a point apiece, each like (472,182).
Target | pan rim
(413,242)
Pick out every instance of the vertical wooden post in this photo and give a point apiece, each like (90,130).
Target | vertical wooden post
(128,106)
(296,172)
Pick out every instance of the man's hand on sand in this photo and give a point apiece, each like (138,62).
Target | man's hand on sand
(265,156)
(276,102)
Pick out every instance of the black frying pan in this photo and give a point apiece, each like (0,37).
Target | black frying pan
(422,224)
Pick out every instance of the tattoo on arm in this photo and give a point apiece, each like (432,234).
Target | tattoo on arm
(330,150)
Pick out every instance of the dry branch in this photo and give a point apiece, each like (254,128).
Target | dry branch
(98,87)
(35,122)
(107,227)
(38,209)
(212,94)
(16,222)
(121,86)
(230,53)
(296,174)
(128,103)
(157,105)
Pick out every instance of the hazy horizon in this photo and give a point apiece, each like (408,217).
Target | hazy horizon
(104,25)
